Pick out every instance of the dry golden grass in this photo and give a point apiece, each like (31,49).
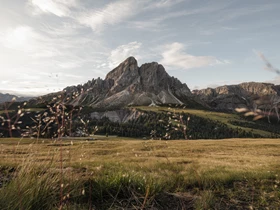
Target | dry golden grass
(230,154)
(130,173)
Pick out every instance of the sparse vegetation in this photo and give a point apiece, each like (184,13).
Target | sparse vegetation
(124,173)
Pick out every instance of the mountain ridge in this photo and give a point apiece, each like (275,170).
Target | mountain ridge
(150,85)
(247,94)
(130,85)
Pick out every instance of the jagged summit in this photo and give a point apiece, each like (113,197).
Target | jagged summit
(150,84)
(128,84)
(128,66)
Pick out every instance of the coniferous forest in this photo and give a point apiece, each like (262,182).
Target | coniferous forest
(197,128)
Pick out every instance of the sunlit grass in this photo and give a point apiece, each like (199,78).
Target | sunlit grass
(122,173)
(232,154)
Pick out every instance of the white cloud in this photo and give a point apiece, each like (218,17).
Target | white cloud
(27,52)
(25,39)
(111,14)
(166,3)
(48,44)
(20,38)
(175,56)
(231,14)
(97,19)
(122,52)
(59,8)
(158,22)
(154,24)
(28,81)
(122,11)
(69,28)
(5,82)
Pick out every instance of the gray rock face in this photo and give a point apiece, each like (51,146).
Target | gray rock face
(247,95)
(129,84)
(121,116)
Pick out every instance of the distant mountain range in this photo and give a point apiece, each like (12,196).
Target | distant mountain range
(249,94)
(150,85)
(6,97)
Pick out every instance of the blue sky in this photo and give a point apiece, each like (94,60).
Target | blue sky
(46,45)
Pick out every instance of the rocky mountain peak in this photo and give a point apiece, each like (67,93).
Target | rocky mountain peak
(127,67)
(128,84)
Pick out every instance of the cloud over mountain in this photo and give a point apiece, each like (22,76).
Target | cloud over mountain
(174,55)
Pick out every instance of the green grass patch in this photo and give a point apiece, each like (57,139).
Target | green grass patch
(228,174)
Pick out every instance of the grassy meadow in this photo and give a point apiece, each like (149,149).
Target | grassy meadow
(124,173)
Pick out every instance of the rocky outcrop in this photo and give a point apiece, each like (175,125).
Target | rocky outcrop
(121,116)
(129,84)
(249,95)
